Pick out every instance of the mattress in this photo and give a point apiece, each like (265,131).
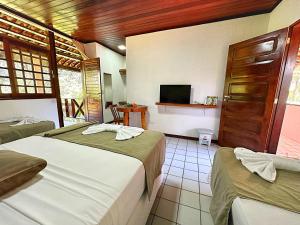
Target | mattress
(9,133)
(251,212)
(80,185)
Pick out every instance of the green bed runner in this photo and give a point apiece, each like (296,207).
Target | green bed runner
(230,179)
(8,133)
(149,147)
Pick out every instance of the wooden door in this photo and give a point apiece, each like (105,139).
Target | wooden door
(293,58)
(252,77)
(92,90)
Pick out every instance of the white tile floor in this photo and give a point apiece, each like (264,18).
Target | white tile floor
(185,195)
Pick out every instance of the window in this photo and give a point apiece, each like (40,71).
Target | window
(5,86)
(28,73)
(31,71)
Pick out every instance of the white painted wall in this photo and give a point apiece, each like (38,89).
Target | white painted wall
(193,55)
(110,62)
(285,14)
(39,108)
(108,92)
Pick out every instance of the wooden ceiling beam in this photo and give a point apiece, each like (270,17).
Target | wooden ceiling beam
(67,57)
(23,28)
(68,52)
(28,19)
(23,36)
(109,22)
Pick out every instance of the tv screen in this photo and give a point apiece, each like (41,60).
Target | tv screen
(175,94)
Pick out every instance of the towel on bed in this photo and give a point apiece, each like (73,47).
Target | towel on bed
(11,120)
(123,132)
(265,164)
(28,120)
(21,120)
(230,179)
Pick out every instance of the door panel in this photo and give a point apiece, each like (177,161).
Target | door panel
(92,90)
(249,90)
(255,49)
(293,59)
(252,77)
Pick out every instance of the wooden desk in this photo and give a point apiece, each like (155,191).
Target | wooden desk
(127,109)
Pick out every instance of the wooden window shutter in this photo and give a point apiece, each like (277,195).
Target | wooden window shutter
(92,90)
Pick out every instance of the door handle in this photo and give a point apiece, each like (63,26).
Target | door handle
(226,97)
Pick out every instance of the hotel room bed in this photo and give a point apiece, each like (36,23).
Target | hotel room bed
(81,185)
(251,212)
(11,133)
(250,199)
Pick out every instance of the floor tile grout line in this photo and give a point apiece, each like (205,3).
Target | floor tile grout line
(189,169)
(188,178)
(192,191)
(199,190)
(180,193)
(164,219)
(184,204)
(159,197)
(186,189)
(164,183)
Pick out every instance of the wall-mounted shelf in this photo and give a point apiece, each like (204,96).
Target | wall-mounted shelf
(201,106)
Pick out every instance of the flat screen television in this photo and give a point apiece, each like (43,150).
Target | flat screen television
(179,94)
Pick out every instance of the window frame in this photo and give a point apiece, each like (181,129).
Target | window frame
(8,44)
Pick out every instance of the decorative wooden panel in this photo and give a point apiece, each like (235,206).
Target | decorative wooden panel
(255,49)
(31,70)
(5,84)
(109,22)
(259,69)
(92,89)
(24,70)
(249,108)
(250,91)
(248,141)
(243,125)
(252,77)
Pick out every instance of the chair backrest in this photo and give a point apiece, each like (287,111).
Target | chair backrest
(115,113)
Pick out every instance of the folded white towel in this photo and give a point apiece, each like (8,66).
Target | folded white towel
(123,132)
(21,120)
(265,164)
(28,120)
(13,119)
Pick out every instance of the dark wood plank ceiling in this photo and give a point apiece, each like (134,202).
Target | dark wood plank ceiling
(110,21)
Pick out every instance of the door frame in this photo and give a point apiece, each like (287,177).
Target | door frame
(266,116)
(290,60)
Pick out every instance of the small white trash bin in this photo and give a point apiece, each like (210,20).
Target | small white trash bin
(205,136)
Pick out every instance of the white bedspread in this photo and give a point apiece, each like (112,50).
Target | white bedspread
(80,186)
(251,212)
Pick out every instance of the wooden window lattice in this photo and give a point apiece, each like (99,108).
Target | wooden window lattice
(31,70)
(5,85)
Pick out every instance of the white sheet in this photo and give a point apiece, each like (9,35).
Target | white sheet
(80,186)
(251,212)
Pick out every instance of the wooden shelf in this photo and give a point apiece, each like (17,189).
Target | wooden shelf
(188,105)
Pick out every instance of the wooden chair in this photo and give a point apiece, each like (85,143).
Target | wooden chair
(117,118)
